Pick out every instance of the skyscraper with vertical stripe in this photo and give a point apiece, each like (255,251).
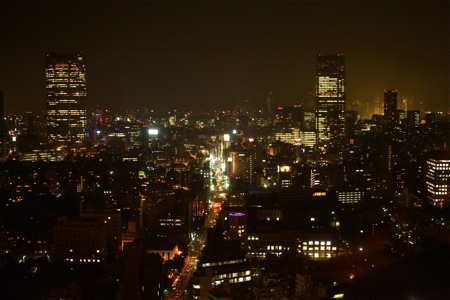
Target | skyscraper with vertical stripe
(66,97)
(390,119)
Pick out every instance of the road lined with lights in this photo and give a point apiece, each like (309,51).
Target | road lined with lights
(218,194)
(180,284)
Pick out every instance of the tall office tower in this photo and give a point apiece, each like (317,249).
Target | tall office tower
(66,97)
(438,178)
(330,97)
(390,111)
(240,164)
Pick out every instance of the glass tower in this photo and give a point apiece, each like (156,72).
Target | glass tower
(66,97)
(330,97)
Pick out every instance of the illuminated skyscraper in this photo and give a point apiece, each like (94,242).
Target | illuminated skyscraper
(438,178)
(241,164)
(66,97)
(390,110)
(330,97)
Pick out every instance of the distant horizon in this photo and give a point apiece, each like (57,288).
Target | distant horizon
(91,109)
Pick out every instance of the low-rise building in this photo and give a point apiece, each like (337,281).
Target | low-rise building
(80,240)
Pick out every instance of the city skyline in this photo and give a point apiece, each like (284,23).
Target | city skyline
(166,55)
(199,150)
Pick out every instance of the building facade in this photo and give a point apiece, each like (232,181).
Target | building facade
(390,110)
(66,97)
(80,240)
(330,97)
(240,164)
(438,179)
(413,118)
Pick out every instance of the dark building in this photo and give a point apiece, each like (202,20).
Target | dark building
(66,97)
(80,240)
(152,277)
(223,261)
(350,120)
(289,117)
(390,110)
(132,256)
(33,124)
(413,118)
(330,96)
(430,119)
(142,273)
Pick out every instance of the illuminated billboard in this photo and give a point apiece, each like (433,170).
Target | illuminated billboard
(153,131)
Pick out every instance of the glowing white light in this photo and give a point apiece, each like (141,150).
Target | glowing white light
(153,131)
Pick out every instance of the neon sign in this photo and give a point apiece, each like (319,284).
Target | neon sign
(236,214)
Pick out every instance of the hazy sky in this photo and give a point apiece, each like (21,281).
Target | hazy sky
(218,55)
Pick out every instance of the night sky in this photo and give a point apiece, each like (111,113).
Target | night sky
(219,55)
